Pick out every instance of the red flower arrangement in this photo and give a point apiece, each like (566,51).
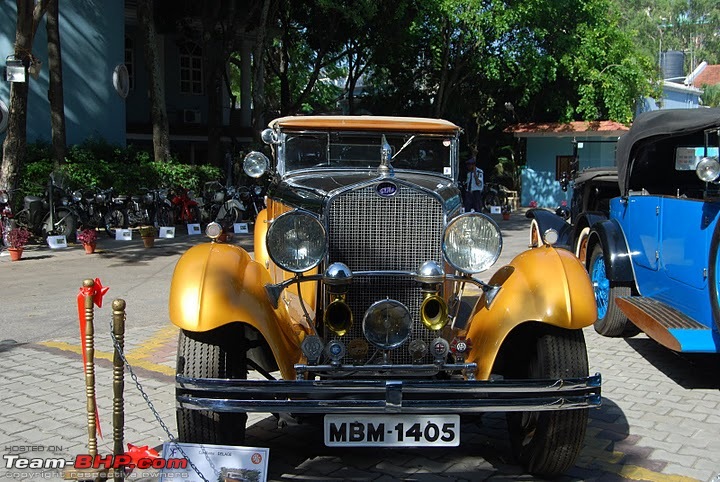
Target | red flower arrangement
(18,237)
(87,236)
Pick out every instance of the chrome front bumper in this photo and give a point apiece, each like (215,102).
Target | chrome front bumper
(387,396)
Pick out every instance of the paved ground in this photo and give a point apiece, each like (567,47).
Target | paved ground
(660,418)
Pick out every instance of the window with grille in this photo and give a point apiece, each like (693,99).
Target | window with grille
(191,72)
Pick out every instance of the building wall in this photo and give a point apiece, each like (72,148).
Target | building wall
(538,178)
(91,37)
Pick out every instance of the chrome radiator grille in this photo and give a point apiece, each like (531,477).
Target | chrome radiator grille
(369,232)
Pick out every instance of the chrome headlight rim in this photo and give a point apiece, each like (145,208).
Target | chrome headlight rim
(463,219)
(279,223)
(4,197)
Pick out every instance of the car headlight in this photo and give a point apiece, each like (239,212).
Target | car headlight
(708,169)
(256,164)
(296,241)
(472,243)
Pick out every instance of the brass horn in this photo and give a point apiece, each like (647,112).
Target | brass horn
(338,317)
(433,311)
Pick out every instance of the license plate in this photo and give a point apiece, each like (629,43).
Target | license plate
(392,430)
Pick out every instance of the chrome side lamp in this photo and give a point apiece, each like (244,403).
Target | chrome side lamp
(15,69)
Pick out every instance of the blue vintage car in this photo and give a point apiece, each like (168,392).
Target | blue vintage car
(654,261)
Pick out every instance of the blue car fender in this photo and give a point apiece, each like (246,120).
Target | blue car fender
(618,264)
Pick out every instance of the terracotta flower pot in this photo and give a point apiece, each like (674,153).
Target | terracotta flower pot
(15,253)
(89,248)
(506,216)
(148,241)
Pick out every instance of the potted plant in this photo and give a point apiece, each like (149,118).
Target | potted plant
(506,212)
(148,233)
(17,239)
(88,238)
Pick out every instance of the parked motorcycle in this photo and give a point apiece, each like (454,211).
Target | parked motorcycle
(161,208)
(115,217)
(233,209)
(185,207)
(493,195)
(137,208)
(212,199)
(253,198)
(50,215)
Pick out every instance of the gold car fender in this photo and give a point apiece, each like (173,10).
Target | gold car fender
(546,285)
(215,284)
(261,227)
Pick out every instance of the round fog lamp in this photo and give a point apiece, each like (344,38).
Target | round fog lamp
(708,169)
(387,324)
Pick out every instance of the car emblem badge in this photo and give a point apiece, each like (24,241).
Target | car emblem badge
(386,189)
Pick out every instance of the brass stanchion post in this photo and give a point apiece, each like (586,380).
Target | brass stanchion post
(118,307)
(90,368)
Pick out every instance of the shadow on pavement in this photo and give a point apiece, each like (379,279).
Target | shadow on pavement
(689,370)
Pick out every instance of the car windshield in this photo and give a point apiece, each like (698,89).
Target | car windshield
(422,152)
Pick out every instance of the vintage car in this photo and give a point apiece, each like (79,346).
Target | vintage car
(355,305)
(590,203)
(654,262)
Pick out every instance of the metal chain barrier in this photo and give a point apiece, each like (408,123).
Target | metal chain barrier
(156,414)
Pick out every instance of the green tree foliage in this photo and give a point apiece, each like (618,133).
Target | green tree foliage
(690,26)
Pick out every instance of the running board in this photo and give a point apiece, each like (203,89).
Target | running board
(659,321)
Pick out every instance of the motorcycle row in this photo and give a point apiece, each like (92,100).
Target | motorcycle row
(62,212)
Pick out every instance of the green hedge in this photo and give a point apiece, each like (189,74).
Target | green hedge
(102,165)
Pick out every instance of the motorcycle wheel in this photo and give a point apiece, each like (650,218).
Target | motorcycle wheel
(232,215)
(194,215)
(114,220)
(65,224)
(165,217)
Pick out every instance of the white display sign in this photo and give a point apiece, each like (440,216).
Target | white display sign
(216,462)
(241,228)
(123,235)
(167,231)
(57,242)
(495,210)
(194,229)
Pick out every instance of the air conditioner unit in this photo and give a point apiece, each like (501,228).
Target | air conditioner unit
(191,116)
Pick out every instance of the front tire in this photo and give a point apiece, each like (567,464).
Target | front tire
(611,321)
(220,353)
(547,443)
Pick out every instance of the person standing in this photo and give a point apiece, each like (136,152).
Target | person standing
(474,185)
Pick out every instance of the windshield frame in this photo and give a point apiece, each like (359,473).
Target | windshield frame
(283,168)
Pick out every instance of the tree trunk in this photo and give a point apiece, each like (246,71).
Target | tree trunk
(258,67)
(14,147)
(158,112)
(55,91)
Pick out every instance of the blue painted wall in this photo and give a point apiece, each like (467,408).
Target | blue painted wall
(538,178)
(92,42)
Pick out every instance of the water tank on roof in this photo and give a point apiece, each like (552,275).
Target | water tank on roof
(672,63)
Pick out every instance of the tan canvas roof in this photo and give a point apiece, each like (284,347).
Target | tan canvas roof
(365,123)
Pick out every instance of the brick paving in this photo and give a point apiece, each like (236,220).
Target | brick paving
(660,418)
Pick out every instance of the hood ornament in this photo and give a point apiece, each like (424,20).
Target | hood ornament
(385,168)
